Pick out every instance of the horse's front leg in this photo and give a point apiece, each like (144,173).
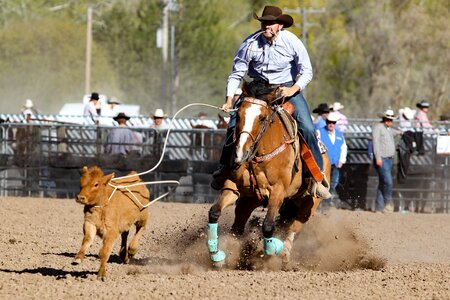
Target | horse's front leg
(226,198)
(272,245)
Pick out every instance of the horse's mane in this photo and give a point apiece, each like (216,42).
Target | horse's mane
(259,90)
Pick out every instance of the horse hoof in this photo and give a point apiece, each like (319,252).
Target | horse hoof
(218,258)
(273,246)
(76,261)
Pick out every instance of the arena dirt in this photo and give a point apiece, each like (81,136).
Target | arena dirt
(339,255)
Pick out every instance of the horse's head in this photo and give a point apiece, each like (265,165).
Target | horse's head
(252,120)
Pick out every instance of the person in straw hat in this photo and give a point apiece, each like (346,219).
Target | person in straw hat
(337,152)
(159,120)
(273,56)
(121,139)
(28,108)
(343,122)
(384,151)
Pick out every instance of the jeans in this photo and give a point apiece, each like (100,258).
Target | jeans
(304,123)
(385,183)
(334,181)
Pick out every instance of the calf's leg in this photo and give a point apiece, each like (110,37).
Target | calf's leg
(123,253)
(89,231)
(140,228)
(105,252)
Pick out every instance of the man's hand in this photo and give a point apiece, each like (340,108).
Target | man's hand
(286,91)
(379,163)
(228,103)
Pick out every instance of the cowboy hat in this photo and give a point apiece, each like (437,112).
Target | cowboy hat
(273,13)
(121,115)
(113,100)
(336,106)
(423,103)
(28,103)
(94,96)
(332,117)
(388,114)
(322,108)
(407,113)
(159,113)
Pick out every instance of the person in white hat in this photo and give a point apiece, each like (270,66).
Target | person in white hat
(343,122)
(334,140)
(159,120)
(28,108)
(405,116)
(384,151)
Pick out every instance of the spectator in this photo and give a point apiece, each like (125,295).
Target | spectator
(92,108)
(122,139)
(29,108)
(422,115)
(322,110)
(203,122)
(334,140)
(159,120)
(343,122)
(405,116)
(384,151)
(111,107)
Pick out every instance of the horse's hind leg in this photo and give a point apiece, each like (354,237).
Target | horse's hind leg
(305,208)
(242,212)
(226,198)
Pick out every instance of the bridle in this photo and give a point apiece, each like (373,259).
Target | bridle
(250,155)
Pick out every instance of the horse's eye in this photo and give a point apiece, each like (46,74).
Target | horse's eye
(262,118)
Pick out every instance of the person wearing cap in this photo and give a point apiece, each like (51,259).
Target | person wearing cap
(322,111)
(121,139)
(111,107)
(92,108)
(343,122)
(159,120)
(421,117)
(334,140)
(273,56)
(384,151)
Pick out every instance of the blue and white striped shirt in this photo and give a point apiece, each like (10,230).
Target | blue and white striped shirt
(278,62)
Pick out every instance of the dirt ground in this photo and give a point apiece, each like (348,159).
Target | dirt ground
(339,255)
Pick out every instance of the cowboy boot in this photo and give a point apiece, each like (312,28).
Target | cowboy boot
(318,189)
(224,171)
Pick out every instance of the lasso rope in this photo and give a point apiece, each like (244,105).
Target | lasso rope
(126,187)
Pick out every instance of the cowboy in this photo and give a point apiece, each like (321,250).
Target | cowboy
(92,108)
(28,108)
(343,122)
(121,139)
(422,115)
(322,111)
(158,120)
(334,140)
(273,56)
(384,151)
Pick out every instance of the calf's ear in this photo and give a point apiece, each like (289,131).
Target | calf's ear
(85,169)
(107,178)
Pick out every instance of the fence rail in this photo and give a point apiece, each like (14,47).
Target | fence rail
(44,158)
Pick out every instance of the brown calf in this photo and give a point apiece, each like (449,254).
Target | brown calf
(109,218)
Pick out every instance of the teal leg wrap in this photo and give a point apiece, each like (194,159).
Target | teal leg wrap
(213,244)
(272,246)
(213,241)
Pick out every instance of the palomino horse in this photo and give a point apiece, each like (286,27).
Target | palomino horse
(267,172)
